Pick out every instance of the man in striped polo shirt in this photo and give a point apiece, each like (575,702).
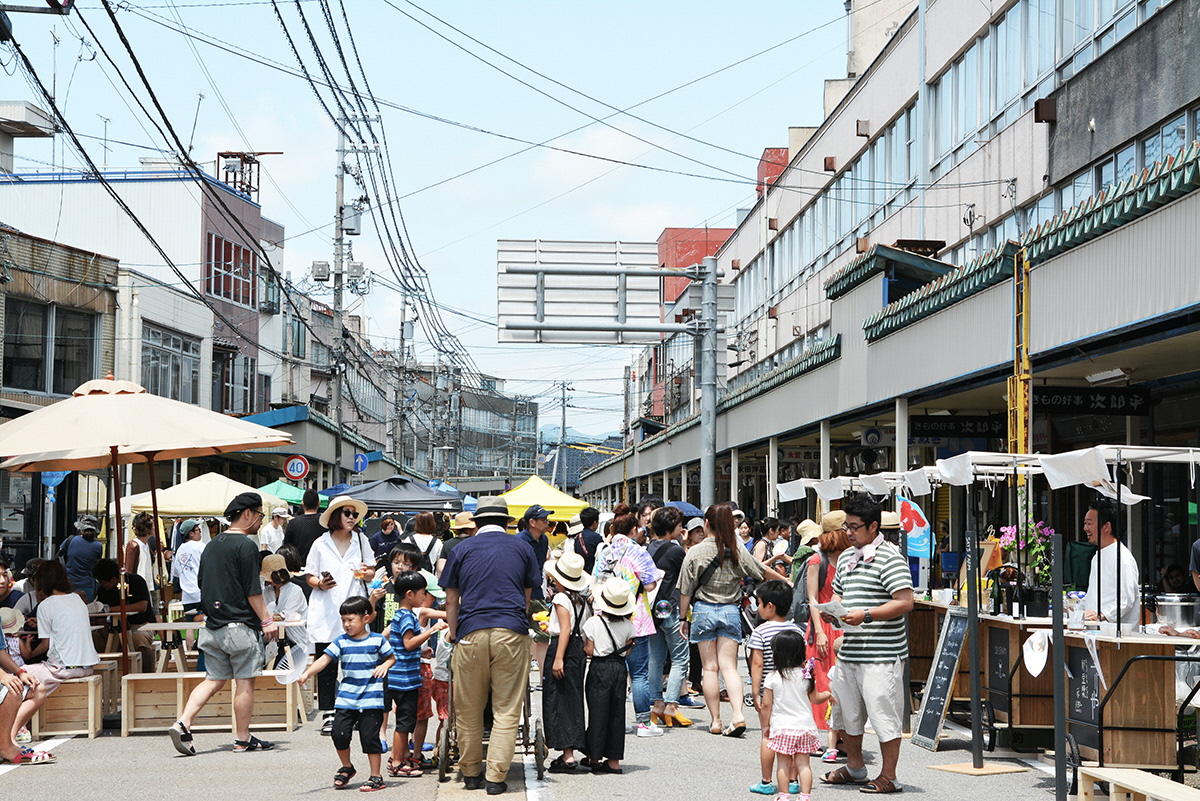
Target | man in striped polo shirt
(873,582)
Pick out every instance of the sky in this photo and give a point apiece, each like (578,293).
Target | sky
(532,71)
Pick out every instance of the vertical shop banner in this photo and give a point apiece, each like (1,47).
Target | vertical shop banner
(916,528)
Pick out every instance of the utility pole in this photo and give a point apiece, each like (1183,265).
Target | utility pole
(708,382)
(562,432)
(401,386)
(338,343)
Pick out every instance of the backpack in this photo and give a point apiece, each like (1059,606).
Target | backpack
(426,562)
(800,612)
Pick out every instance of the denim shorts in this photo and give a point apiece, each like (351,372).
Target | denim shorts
(710,621)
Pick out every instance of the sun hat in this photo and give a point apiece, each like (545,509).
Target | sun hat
(242,502)
(574,527)
(809,531)
(615,598)
(11,620)
(491,507)
(464,520)
(87,523)
(269,565)
(338,503)
(889,520)
(568,570)
(832,521)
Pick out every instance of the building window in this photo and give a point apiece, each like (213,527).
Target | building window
(47,348)
(230,271)
(170,364)
(233,383)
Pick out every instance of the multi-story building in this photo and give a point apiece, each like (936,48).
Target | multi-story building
(874,277)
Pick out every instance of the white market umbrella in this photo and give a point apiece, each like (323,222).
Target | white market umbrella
(107,423)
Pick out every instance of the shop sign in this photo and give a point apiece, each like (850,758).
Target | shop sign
(1092,400)
(957,426)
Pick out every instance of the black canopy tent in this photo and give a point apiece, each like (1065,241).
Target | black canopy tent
(400,494)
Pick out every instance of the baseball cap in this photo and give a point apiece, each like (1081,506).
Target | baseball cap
(246,500)
(537,512)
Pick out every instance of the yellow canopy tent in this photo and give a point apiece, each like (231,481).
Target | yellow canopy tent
(534,490)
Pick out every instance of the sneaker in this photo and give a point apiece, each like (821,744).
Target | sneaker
(830,756)
(23,736)
(692,701)
(783,797)
(327,725)
(649,730)
(794,788)
(763,788)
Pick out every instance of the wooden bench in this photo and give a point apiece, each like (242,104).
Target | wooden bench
(110,685)
(151,702)
(1130,784)
(74,708)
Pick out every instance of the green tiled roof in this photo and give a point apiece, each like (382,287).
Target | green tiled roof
(875,260)
(988,270)
(1136,196)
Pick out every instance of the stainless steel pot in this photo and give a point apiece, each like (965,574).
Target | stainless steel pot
(1179,611)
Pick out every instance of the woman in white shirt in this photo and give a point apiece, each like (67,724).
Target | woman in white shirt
(185,569)
(62,618)
(340,563)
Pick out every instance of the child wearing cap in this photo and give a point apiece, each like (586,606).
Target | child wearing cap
(608,636)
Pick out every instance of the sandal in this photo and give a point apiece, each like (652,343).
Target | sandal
(411,769)
(560,765)
(35,758)
(372,784)
(393,769)
(181,738)
(841,776)
(880,786)
(253,744)
(734,730)
(343,777)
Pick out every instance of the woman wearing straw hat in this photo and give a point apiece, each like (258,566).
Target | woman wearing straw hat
(562,688)
(340,564)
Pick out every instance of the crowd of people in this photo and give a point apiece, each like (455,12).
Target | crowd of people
(645,599)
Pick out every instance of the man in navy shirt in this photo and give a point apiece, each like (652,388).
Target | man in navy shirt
(537,529)
(588,541)
(488,580)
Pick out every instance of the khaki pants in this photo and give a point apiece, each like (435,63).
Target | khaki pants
(495,661)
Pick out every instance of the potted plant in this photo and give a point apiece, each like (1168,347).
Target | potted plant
(1030,545)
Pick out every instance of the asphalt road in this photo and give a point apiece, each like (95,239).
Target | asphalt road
(680,766)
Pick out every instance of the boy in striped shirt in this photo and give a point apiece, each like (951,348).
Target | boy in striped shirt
(364,657)
(404,679)
(874,584)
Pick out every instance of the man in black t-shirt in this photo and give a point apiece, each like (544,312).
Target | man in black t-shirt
(587,541)
(303,530)
(236,622)
(138,606)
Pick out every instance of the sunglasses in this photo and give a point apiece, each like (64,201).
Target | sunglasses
(350,512)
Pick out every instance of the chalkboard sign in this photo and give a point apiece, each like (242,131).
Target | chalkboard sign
(940,685)
(1083,697)
(999,667)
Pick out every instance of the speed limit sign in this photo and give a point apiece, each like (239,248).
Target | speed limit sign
(295,468)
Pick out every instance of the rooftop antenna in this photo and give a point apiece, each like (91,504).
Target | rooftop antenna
(195,119)
(106,122)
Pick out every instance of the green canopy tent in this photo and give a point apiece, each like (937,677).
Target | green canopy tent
(289,493)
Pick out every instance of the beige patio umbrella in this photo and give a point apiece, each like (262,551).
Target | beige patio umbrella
(110,423)
(204,495)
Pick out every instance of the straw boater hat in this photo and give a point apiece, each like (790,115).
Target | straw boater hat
(889,520)
(338,503)
(832,521)
(568,570)
(809,531)
(615,598)
(574,527)
(11,620)
(464,520)
(270,565)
